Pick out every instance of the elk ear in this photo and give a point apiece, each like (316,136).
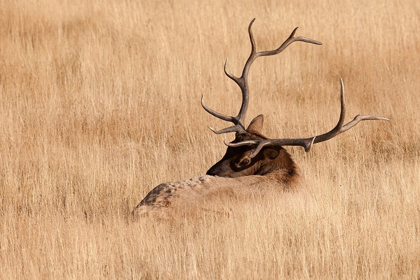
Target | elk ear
(270,153)
(256,124)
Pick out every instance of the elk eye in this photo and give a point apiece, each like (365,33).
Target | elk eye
(245,162)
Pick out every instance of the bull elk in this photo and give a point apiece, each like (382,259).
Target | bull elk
(251,160)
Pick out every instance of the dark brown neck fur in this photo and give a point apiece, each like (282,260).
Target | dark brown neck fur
(282,169)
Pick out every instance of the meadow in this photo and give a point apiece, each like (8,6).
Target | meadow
(100,102)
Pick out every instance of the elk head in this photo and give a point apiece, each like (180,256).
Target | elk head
(238,161)
(251,153)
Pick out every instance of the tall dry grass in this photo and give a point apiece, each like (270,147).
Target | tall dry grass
(99,102)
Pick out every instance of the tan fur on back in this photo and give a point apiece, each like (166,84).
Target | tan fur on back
(209,193)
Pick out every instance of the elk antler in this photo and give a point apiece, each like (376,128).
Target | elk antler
(242,81)
(307,142)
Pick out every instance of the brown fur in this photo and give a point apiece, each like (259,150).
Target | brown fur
(272,168)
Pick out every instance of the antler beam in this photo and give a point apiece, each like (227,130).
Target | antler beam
(242,81)
(306,143)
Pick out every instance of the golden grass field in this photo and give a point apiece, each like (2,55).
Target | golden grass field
(100,102)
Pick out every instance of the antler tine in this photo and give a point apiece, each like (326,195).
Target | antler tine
(286,43)
(237,127)
(234,128)
(214,113)
(307,142)
(339,128)
(242,81)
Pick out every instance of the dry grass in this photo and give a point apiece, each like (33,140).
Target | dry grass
(99,102)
